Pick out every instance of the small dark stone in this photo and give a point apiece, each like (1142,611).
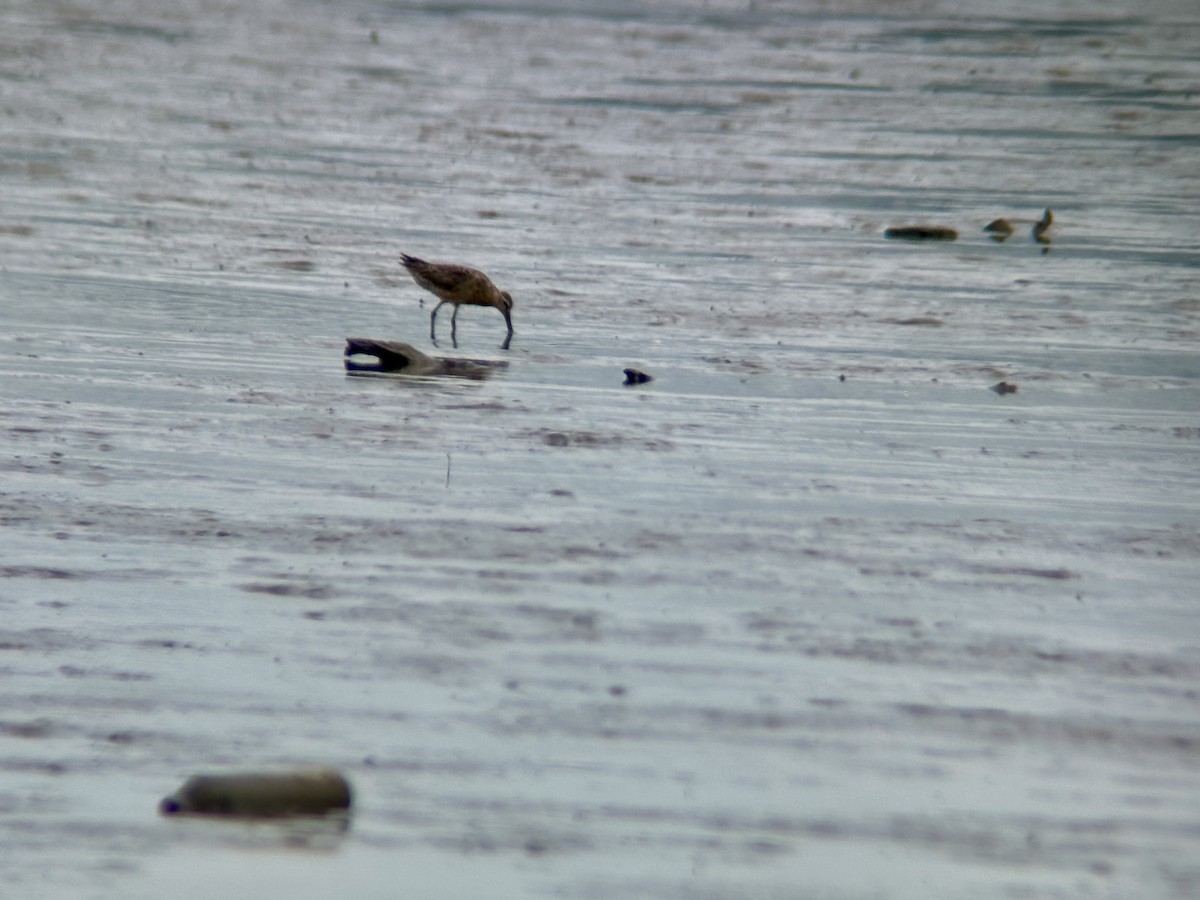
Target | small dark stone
(1004,388)
(633,376)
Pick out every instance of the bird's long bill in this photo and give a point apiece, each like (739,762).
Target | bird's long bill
(507,320)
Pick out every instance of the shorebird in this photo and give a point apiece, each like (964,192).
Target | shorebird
(1041,226)
(452,283)
(998,229)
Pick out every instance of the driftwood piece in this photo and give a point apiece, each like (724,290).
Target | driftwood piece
(921,233)
(399,358)
(314,792)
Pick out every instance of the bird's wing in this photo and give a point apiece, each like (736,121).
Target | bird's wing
(451,278)
(445,277)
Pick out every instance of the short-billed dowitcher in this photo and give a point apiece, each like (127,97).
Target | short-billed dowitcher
(452,283)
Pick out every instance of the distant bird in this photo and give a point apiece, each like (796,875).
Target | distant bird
(452,283)
(1041,226)
(998,229)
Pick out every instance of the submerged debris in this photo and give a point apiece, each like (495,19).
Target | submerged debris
(399,358)
(921,233)
(635,376)
(312,792)
(1004,388)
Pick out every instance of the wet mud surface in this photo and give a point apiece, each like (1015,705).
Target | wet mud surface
(817,611)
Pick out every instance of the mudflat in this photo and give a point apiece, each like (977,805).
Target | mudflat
(817,611)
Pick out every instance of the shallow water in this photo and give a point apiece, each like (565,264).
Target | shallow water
(813,613)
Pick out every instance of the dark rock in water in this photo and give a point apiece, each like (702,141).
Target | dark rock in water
(399,358)
(633,376)
(921,233)
(1004,388)
(312,792)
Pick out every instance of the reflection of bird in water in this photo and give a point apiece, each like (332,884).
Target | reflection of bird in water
(1041,226)
(998,229)
(452,283)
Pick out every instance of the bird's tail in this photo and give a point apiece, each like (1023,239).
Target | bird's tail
(410,261)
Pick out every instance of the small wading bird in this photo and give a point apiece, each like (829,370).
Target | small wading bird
(452,283)
(1001,229)
(1041,226)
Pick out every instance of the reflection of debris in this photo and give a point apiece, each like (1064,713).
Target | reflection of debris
(1041,226)
(261,795)
(998,229)
(634,376)
(597,440)
(921,233)
(1004,388)
(399,358)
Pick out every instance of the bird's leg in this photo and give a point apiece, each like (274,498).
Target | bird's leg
(433,321)
(454,327)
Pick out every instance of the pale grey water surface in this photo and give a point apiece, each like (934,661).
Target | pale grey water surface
(814,613)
